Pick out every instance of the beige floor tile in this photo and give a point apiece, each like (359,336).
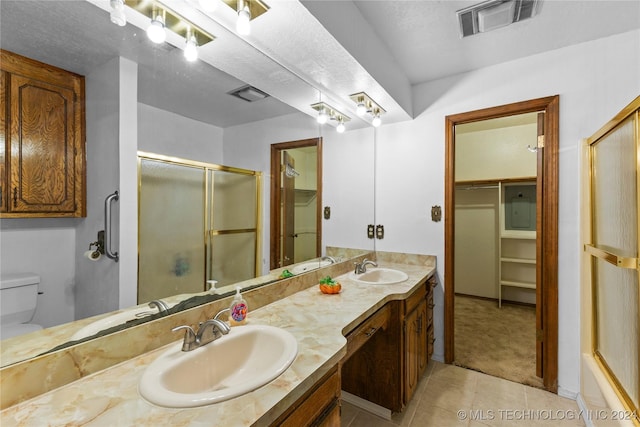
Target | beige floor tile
(347,413)
(433,416)
(365,419)
(452,396)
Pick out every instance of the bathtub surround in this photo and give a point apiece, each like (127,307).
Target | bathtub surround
(111,396)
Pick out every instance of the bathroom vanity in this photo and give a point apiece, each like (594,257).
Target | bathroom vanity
(332,332)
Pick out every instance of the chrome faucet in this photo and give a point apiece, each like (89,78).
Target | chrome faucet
(160,305)
(208,331)
(361,267)
(328,258)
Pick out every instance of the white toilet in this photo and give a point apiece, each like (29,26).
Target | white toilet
(18,300)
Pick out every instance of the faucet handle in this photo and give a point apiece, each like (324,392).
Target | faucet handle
(190,341)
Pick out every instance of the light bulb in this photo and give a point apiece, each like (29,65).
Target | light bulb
(376,121)
(243,24)
(117,13)
(191,49)
(208,5)
(323,117)
(361,109)
(155,31)
(340,128)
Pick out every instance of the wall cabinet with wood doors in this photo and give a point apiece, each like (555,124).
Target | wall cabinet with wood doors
(389,352)
(42,152)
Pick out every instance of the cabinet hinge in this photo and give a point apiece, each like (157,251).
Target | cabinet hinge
(540,141)
(539,335)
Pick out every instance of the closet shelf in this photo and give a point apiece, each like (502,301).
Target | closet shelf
(519,260)
(518,284)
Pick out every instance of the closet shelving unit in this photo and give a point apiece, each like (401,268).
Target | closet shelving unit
(517,242)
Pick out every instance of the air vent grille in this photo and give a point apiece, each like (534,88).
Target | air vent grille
(492,14)
(249,93)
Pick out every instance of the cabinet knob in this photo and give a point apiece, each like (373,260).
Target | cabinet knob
(15,197)
(370,332)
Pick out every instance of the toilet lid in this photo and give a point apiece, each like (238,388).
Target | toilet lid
(8,331)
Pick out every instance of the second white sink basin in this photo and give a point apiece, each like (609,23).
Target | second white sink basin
(380,276)
(309,266)
(245,359)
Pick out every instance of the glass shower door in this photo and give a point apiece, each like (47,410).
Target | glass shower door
(614,255)
(171,257)
(233,225)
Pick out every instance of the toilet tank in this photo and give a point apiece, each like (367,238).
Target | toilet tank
(18,297)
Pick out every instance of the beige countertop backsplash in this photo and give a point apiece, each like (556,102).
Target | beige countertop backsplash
(102,382)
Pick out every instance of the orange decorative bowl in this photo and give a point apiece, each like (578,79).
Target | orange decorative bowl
(330,289)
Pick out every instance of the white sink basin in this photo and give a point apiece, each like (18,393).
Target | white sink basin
(113,320)
(308,266)
(245,359)
(380,276)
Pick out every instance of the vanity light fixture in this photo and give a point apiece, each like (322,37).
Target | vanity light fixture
(155,30)
(366,105)
(377,121)
(117,13)
(247,10)
(191,47)
(327,113)
(243,24)
(164,20)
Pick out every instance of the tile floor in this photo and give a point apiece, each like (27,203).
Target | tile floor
(448,395)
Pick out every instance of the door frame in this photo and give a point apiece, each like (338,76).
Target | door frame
(547,227)
(275,215)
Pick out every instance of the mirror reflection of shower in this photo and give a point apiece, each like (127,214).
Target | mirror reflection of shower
(197,222)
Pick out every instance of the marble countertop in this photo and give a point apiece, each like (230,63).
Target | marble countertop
(318,321)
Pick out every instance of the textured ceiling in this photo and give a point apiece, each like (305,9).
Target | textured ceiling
(423,35)
(300,52)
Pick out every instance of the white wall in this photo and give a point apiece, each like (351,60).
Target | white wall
(594,81)
(45,247)
(164,132)
(348,176)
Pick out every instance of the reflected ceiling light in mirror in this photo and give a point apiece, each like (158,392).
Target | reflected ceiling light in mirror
(247,10)
(117,13)
(191,47)
(243,24)
(155,30)
(327,113)
(165,24)
(366,105)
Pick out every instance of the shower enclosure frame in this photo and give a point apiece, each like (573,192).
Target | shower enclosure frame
(208,210)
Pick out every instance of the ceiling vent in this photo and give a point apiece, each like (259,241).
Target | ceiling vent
(249,93)
(492,14)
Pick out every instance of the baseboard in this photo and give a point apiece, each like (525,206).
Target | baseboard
(504,301)
(563,392)
(365,405)
(582,406)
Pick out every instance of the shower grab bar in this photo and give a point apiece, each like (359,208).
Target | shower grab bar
(611,258)
(107,226)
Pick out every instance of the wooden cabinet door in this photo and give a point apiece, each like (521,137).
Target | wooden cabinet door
(423,351)
(42,147)
(411,355)
(3,141)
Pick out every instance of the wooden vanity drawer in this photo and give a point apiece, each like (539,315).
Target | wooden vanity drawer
(360,335)
(416,298)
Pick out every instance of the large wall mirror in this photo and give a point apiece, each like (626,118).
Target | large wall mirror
(143,97)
